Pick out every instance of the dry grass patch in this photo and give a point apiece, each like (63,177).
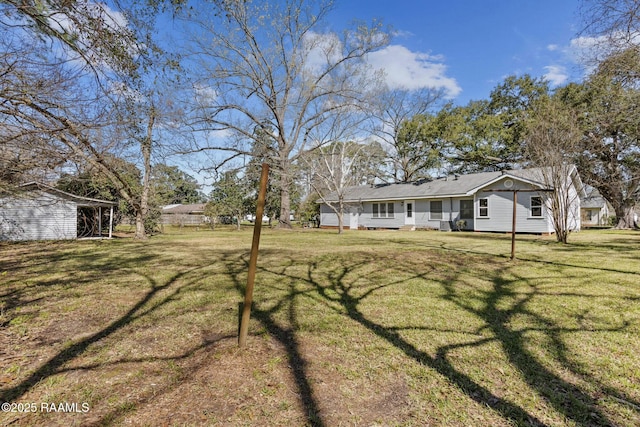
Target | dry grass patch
(369,328)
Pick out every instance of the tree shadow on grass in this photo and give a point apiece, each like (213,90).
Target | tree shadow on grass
(566,398)
(439,362)
(336,277)
(332,287)
(330,282)
(285,335)
(457,249)
(155,298)
(142,308)
(30,272)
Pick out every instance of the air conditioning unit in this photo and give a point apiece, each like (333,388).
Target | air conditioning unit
(445,226)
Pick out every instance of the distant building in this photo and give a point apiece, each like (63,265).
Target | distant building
(181,215)
(594,209)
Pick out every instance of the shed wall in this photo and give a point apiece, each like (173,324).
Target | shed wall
(37,216)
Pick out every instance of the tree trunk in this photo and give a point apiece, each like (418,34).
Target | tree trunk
(140,232)
(560,204)
(145,148)
(624,217)
(340,217)
(285,201)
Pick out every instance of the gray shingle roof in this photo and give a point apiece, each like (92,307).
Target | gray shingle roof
(450,186)
(592,200)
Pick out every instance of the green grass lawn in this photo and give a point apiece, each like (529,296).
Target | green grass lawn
(368,328)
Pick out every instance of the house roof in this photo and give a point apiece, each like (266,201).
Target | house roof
(593,199)
(79,200)
(194,209)
(450,186)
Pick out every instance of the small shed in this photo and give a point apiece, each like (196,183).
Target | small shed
(39,212)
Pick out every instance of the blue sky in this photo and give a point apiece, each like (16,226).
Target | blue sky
(467,47)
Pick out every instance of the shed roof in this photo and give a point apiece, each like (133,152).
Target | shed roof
(450,186)
(79,200)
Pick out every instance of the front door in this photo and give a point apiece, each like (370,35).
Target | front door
(409,212)
(353,219)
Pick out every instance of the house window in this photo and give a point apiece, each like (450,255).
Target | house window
(436,209)
(483,207)
(409,210)
(466,209)
(383,210)
(536,206)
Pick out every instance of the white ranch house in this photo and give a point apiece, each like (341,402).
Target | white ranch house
(484,201)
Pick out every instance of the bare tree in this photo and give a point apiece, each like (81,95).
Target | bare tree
(74,70)
(267,65)
(553,138)
(615,23)
(393,110)
(338,167)
(23,155)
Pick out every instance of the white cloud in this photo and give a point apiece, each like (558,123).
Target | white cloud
(556,74)
(320,50)
(110,18)
(204,95)
(405,69)
(77,25)
(552,47)
(402,33)
(584,50)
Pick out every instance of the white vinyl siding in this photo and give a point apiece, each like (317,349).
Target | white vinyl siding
(501,214)
(484,208)
(37,217)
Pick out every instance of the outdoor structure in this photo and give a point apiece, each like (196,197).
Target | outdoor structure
(594,209)
(476,202)
(182,215)
(40,212)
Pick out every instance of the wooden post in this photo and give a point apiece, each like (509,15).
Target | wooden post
(513,225)
(513,220)
(253,260)
(111,221)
